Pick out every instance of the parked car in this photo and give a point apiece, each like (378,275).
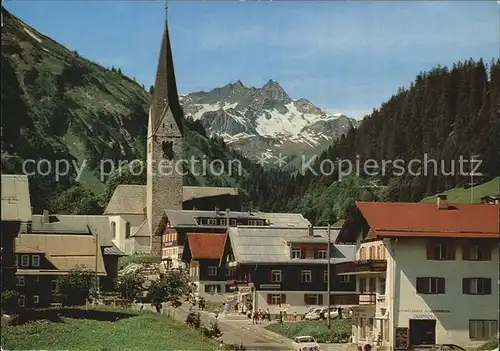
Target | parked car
(438,347)
(305,343)
(314,314)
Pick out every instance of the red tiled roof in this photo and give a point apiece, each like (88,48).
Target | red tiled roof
(426,220)
(206,245)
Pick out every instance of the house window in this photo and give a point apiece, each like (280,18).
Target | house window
(21,300)
(362,285)
(212,221)
(305,276)
(296,252)
(362,253)
(382,286)
(223,221)
(127,230)
(325,276)
(36,279)
(20,280)
(53,285)
(322,254)
(345,278)
(313,299)
(476,253)
(25,260)
(35,260)
(113,229)
(440,252)
(276,299)
(212,271)
(15,260)
(482,329)
(476,286)
(36,299)
(233,222)
(275,276)
(430,285)
(212,288)
(371,251)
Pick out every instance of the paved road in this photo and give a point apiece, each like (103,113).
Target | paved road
(236,330)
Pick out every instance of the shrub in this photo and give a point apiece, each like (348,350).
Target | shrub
(234,347)
(490,345)
(193,319)
(213,331)
(339,333)
(9,301)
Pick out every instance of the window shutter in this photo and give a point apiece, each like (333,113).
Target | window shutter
(465,285)
(420,285)
(486,252)
(269,299)
(430,251)
(451,251)
(487,286)
(283,298)
(465,251)
(305,299)
(441,286)
(302,253)
(270,275)
(316,253)
(320,299)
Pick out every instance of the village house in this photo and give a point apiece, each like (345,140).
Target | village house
(202,252)
(42,258)
(286,268)
(491,200)
(93,225)
(16,210)
(426,273)
(174,226)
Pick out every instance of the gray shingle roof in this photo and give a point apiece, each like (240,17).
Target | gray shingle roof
(186,218)
(131,199)
(16,205)
(76,224)
(270,245)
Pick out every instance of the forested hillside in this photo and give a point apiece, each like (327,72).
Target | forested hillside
(57,105)
(445,113)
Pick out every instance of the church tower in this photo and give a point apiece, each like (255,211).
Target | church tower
(164,144)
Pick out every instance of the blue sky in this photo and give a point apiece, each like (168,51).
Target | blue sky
(344,56)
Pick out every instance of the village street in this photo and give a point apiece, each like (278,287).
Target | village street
(238,329)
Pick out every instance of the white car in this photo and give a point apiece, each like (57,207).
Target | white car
(305,343)
(313,315)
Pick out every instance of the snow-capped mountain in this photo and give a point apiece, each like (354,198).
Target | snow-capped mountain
(264,121)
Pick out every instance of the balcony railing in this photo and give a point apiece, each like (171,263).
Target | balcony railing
(370,298)
(367,299)
(371,265)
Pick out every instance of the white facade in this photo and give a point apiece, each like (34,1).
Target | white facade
(396,303)
(127,234)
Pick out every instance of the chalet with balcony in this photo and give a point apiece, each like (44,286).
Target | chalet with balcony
(426,273)
(287,268)
(42,258)
(16,211)
(177,223)
(201,255)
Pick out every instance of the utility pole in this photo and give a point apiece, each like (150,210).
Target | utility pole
(96,261)
(329,254)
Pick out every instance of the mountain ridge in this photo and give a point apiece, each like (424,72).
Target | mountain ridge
(266,120)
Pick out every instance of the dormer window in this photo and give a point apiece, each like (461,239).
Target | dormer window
(296,252)
(35,260)
(212,221)
(25,260)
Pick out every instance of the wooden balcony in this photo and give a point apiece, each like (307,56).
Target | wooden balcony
(367,299)
(371,265)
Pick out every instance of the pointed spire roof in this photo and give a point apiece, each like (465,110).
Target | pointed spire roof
(165,90)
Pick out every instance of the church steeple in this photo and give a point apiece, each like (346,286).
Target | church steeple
(165,92)
(165,145)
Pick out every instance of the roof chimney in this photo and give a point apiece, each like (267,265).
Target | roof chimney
(310,230)
(46,216)
(442,202)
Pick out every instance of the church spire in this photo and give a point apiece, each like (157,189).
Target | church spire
(165,96)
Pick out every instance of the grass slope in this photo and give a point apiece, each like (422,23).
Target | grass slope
(462,195)
(339,333)
(132,331)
